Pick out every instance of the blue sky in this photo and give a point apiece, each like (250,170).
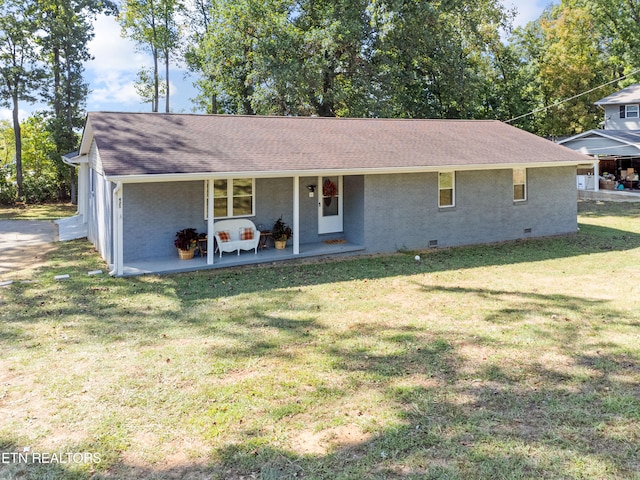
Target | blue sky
(116,61)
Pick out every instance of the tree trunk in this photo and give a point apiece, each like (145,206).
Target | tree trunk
(156,83)
(18,137)
(56,82)
(166,76)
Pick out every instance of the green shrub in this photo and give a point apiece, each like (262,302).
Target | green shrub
(39,189)
(8,191)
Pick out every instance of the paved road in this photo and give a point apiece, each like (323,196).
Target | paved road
(23,243)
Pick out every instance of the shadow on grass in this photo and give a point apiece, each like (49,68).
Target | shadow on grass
(497,423)
(476,431)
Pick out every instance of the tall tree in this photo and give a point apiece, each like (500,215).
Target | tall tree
(333,47)
(20,67)
(67,27)
(199,16)
(414,58)
(618,23)
(227,53)
(568,57)
(153,25)
(431,57)
(42,180)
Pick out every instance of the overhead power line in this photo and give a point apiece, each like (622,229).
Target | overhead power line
(571,98)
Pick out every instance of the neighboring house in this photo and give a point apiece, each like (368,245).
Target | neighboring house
(399,184)
(622,109)
(616,148)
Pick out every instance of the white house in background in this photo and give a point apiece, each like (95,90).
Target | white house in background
(616,147)
(622,109)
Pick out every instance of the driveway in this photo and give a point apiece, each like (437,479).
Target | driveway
(24,243)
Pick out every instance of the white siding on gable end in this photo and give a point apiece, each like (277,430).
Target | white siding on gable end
(100,192)
(613,120)
(95,163)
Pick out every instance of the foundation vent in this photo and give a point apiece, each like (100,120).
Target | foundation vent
(433,243)
(527,230)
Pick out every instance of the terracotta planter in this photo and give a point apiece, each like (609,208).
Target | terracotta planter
(186,254)
(280,244)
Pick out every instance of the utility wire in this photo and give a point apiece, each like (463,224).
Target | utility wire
(572,98)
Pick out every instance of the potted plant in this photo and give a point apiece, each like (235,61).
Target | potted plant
(281,232)
(185,242)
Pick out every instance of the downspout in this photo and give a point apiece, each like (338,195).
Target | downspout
(117,231)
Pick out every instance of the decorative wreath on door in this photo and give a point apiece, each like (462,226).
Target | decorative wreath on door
(329,190)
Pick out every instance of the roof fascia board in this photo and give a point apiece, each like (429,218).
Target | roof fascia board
(87,138)
(576,137)
(603,134)
(184,177)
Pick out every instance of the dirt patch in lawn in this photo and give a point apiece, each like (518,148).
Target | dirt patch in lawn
(319,443)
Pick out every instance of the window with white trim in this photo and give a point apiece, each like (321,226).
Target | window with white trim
(233,197)
(630,111)
(519,184)
(446,189)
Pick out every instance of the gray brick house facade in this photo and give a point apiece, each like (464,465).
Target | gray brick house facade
(398,184)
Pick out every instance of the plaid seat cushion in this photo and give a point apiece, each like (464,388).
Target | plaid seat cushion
(246,233)
(224,236)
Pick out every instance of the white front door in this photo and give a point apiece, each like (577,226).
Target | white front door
(330,204)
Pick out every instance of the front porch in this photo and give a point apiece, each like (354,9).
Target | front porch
(174,265)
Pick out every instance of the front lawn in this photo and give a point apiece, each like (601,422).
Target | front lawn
(518,360)
(44,211)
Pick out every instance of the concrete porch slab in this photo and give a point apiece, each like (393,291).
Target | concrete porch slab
(175,265)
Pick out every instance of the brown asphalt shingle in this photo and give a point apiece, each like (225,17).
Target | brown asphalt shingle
(154,143)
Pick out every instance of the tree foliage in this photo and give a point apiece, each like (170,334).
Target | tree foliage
(67,28)
(20,67)
(565,57)
(349,57)
(358,58)
(41,180)
(153,25)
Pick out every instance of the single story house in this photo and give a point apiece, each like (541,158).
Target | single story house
(394,184)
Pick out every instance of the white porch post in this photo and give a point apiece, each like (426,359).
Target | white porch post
(296,215)
(210,239)
(118,233)
(596,174)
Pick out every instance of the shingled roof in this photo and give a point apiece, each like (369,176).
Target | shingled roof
(133,144)
(631,94)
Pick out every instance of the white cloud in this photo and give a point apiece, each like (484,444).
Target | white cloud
(111,51)
(112,72)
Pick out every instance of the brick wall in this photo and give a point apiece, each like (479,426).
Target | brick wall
(402,210)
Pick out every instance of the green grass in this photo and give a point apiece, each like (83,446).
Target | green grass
(46,211)
(516,360)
